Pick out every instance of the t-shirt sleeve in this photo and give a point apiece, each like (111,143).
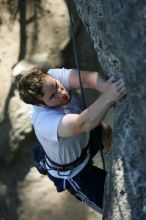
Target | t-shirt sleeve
(46,126)
(62,75)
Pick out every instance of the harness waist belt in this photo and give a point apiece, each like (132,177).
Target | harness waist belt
(69,166)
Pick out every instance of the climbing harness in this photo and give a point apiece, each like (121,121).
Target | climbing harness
(79,75)
(44,164)
(69,166)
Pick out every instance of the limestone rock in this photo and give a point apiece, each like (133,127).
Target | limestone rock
(117,29)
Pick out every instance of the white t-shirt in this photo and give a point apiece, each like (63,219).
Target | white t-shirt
(46,121)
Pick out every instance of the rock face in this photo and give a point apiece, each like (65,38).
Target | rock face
(118,31)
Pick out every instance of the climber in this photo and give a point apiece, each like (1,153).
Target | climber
(66,132)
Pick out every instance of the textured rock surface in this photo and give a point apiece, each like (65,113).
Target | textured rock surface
(118,30)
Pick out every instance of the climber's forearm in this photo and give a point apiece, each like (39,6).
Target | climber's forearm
(91,80)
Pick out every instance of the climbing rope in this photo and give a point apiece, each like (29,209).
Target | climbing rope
(78,69)
(76,54)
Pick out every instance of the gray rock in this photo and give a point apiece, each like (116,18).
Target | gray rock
(117,29)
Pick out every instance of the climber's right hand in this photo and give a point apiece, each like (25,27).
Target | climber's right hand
(115,89)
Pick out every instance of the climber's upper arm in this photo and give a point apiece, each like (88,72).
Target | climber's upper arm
(69,126)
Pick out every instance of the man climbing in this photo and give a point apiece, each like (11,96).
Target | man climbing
(66,132)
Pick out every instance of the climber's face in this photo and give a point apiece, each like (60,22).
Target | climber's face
(54,93)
